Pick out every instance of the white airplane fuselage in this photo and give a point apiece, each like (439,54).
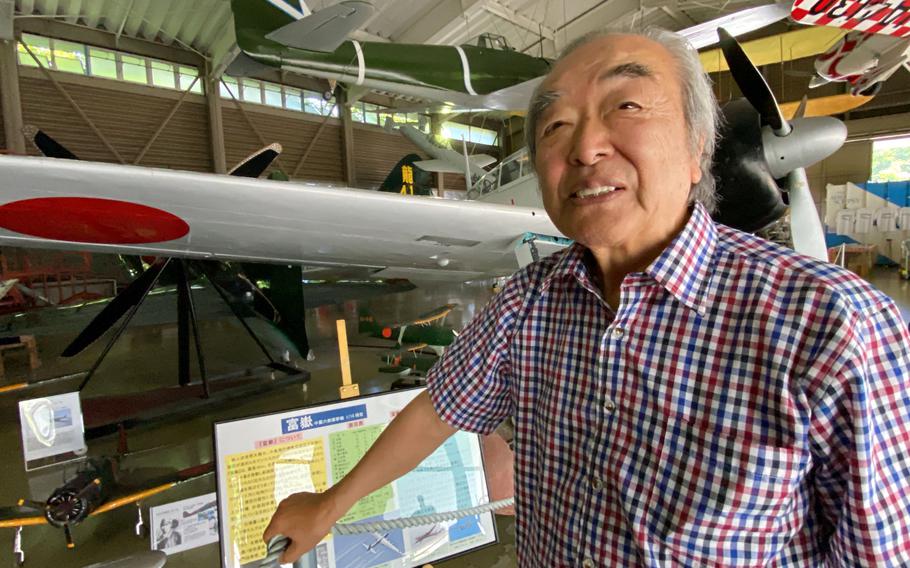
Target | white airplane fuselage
(864,60)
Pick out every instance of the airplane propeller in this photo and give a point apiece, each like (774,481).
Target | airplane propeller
(757,153)
(253,166)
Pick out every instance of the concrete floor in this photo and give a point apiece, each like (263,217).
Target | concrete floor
(146,356)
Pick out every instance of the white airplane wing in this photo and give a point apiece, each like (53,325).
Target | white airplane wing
(66,204)
(437,165)
(855,15)
(482,160)
(737,23)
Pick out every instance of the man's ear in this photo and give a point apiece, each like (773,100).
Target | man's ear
(695,172)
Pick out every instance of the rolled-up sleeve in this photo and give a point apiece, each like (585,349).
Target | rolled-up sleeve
(471,385)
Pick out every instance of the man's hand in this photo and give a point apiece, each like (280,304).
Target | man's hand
(305,518)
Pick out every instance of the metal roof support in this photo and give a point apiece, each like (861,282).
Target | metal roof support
(497,9)
(9,95)
(249,123)
(126,16)
(165,122)
(312,144)
(75,106)
(347,136)
(216,121)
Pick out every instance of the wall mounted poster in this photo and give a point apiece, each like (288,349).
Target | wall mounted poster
(262,460)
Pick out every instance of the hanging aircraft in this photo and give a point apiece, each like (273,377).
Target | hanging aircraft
(98,487)
(484,76)
(877,45)
(444,158)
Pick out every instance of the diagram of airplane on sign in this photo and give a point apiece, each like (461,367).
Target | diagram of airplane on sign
(876,46)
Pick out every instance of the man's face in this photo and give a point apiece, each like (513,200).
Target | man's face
(613,157)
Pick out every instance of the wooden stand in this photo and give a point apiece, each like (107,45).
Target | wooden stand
(26,342)
(347,388)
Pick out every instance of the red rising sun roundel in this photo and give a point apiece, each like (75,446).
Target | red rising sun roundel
(91,220)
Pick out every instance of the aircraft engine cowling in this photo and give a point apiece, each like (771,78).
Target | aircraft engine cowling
(73,502)
(748,197)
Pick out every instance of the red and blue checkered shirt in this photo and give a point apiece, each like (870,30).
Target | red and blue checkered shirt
(743,406)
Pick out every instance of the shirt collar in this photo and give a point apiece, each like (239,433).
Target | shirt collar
(683,268)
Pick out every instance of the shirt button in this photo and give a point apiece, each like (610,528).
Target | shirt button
(609,406)
(617,333)
(596,484)
(587,563)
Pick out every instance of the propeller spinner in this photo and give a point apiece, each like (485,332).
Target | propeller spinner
(771,148)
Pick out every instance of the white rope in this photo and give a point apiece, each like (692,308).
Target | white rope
(419,520)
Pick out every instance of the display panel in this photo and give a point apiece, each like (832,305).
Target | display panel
(262,460)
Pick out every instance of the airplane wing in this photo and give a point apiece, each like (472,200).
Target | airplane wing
(64,204)
(21,516)
(737,23)
(433,315)
(482,160)
(126,493)
(428,317)
(889,18)
(439,166)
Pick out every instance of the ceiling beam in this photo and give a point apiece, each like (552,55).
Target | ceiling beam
(617,12)
(497,9)
(101,38)
(681,19)
(442,21)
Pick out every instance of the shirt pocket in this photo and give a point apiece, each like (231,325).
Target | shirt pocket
(713,485)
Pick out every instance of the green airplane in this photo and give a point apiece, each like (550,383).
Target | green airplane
(484,76)
(416,334)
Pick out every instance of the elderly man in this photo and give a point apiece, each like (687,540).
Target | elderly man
(684,394)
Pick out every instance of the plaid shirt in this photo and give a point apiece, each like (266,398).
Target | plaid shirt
(744,406)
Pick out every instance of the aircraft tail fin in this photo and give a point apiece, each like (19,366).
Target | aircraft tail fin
(326,29)
(817,81)
(366,323)
(407,179)
(254,19)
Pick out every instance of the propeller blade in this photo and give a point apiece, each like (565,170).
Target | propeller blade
(69,537)
(121,304)
(752,84)
(801,109)
(805,224)
(50,147)
(256,163)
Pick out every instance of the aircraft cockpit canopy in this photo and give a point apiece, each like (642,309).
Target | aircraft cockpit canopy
(493,41)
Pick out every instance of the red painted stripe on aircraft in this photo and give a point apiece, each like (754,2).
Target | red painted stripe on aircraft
(91,220)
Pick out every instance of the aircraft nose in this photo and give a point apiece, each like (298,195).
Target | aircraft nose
(812,140)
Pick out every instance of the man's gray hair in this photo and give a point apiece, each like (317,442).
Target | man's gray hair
(699,104)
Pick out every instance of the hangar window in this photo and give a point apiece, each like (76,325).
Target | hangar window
(103,63)
(81,59)
(457,131)
(891,159)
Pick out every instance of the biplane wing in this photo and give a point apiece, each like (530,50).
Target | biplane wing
(21,516)
(435,314)
(134,491)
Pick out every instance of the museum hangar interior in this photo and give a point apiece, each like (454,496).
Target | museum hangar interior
(151,286)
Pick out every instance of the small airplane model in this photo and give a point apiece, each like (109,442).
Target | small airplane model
(97,488)
(418,333)
(877,45)
(485,76)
